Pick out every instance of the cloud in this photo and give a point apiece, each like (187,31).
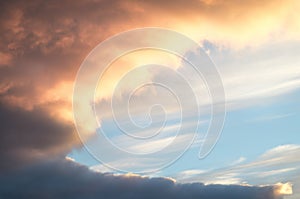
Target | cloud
(42,45)
(284,188)
(230,22)
(248,77)
(28,136)
(66,179)
(238,161)
(277,164)
(253,74)
(270,117)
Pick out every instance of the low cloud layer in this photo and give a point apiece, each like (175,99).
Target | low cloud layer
(66,179)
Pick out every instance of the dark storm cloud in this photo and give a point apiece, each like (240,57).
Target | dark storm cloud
(28,135)
(42,44)
(65,179)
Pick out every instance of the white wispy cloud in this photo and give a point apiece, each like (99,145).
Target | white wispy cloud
(238,161)
(280,163)
(270,117)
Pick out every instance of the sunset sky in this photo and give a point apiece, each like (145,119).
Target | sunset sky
(53,112)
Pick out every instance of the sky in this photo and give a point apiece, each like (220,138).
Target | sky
(144,99)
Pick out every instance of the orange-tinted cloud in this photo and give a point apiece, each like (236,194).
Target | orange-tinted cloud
(43,43)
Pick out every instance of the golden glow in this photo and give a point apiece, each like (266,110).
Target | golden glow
(124,64)
(61,97)
(284,188)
